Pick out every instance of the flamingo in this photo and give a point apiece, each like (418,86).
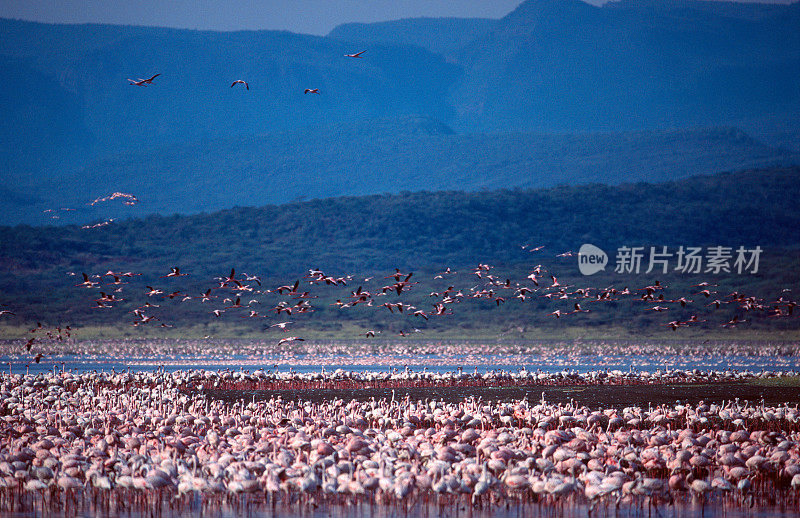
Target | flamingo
(356,55)
(579,309)
(675,324)
(87,283)
(734,322)
(247,86)
(237,304)
(229,279)
(176,272)
(205,297)
(143,82)
(281,325)
(311,91)
(290,339)
(291,289)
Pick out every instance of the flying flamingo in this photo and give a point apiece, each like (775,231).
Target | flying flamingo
(143,82)
(311,91)
(356,55)
(176,272)
(242,82)
(290,339)
(281,325)
(87,283)
(237,304)
(675,324)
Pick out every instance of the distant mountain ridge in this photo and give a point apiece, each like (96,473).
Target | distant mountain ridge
(73,126)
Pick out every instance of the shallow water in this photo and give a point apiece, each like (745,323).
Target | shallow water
(435,507)
(431,363)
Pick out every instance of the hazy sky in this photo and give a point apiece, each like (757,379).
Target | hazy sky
(305,16)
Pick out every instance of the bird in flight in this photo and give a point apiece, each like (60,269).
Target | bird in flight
(281,325)
(242,82)
(176,272)
(143,82)
(290,339)
(311,91)
(356,55)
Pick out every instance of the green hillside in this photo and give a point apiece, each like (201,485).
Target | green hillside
(356,238)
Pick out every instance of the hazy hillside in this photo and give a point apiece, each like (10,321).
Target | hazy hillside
(445,36)
(382,156)
(85,68)
(566,65)
(645,74)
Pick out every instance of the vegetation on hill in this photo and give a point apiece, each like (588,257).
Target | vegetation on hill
(359,237)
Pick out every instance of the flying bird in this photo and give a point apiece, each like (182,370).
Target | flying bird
(143,82)
(281,325)
(311,91)
(356,55)
(176,272)
(242,82)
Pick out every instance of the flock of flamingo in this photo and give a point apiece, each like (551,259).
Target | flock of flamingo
(222,442)
(105,443)
(149,81)
(242,296)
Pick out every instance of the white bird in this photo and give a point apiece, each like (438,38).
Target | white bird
(282,325)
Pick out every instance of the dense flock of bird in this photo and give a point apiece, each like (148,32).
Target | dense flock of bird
(242,296)
(107,442)
(245,292)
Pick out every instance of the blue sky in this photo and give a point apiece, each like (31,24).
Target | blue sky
(305,16)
